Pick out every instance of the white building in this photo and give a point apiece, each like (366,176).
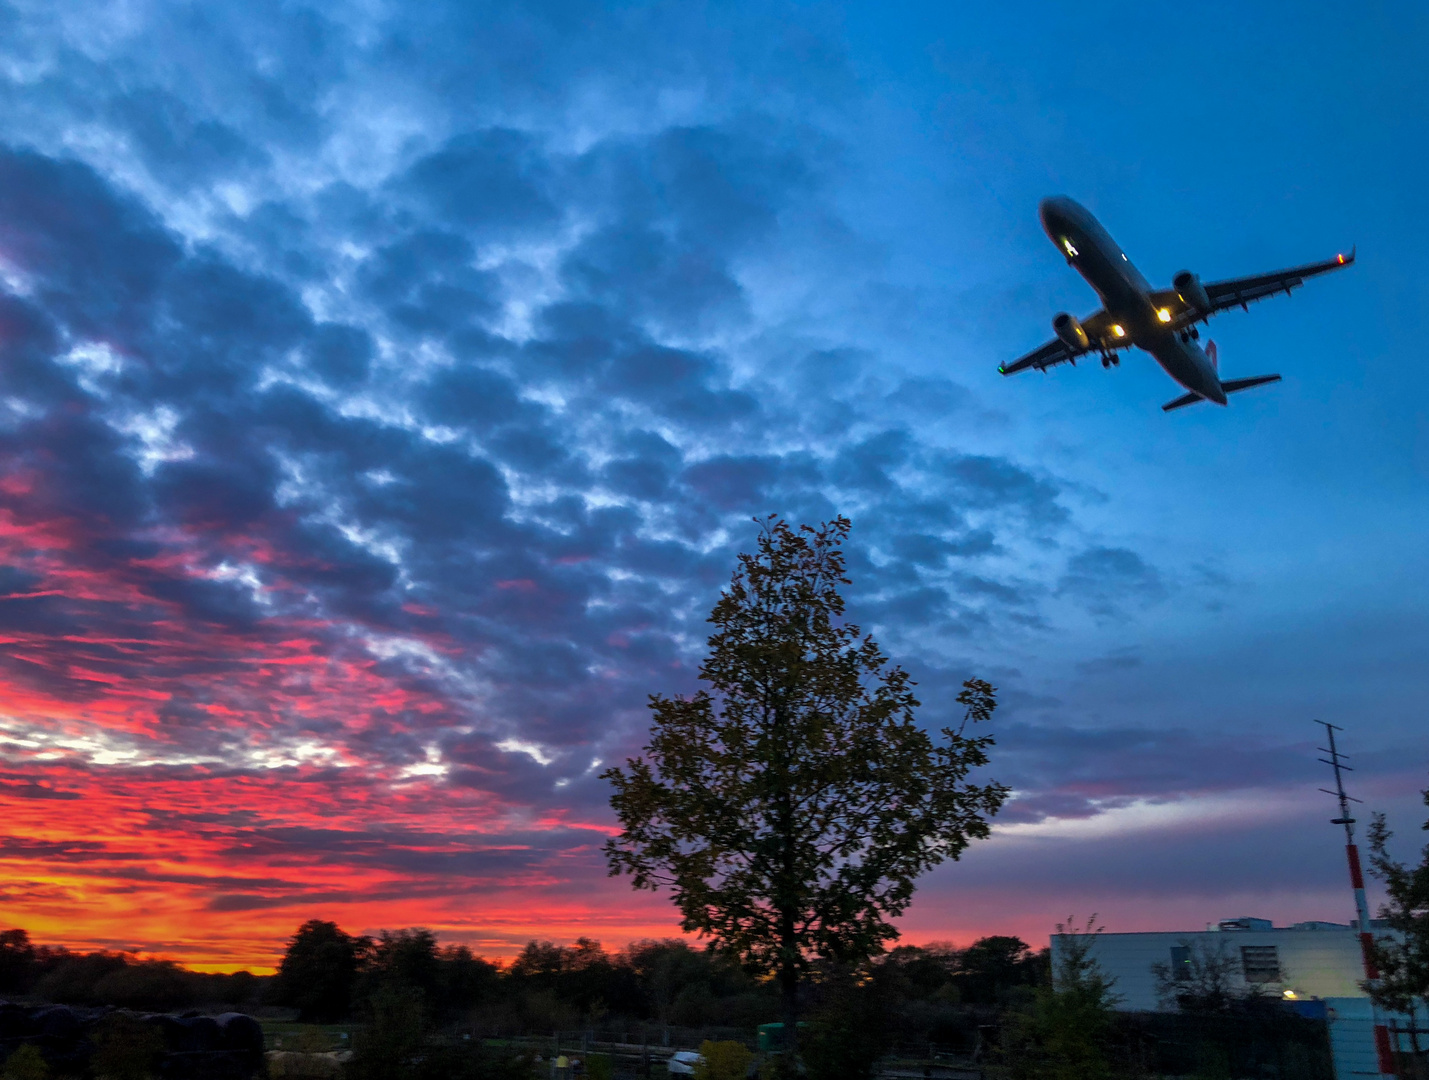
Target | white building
(1307,960)
(1318,964)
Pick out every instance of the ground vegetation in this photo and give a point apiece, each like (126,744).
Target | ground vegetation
(418,1007)
(1064,1032)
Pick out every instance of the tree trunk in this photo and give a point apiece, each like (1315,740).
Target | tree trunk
(789,988)
(788,890)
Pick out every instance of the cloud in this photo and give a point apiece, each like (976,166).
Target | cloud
(378,423)
(1105,580)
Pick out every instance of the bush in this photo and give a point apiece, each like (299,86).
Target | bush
(848,1025)
(1065,1032)
(126,1048)
(26,1063)
(389,1046)
(723,1061)
(451,1061)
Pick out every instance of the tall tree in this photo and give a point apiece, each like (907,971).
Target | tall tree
(790,806)
(319,970)
(1403,960)
(17,961)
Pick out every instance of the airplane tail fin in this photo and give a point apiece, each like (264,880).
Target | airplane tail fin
(1182,401)
(1211,352)
(1232,386)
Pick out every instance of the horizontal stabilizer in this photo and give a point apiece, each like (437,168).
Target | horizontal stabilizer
(1184,399)
(1231,386)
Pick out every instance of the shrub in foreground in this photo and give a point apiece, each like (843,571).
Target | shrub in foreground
(26,1063)
(723,1061)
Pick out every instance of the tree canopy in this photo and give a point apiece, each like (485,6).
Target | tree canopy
(791,805)
(1403,961)
(319,971)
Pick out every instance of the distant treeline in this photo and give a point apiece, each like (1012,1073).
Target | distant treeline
(54,974)
(329,975)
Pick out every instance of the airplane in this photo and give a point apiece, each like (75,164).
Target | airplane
(1160,321)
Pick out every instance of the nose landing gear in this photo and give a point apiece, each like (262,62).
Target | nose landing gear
(1110,359)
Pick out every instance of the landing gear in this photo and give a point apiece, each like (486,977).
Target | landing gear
(1110,360)
(1195,334)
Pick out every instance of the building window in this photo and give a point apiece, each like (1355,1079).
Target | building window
(1181,963)
(1260,963)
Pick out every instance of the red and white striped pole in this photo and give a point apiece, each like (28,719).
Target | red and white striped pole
(1383,1051)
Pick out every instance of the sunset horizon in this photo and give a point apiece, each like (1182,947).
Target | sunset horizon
(387,393)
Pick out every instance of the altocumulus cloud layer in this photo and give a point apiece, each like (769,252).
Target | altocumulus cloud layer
(383,399)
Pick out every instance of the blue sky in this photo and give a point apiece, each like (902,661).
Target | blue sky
(445,354)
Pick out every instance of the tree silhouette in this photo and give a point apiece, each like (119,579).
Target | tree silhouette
(790,806)
(1403,961)
(319,971)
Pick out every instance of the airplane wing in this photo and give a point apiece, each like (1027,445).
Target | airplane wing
(1101,334)
(1055,351)
(1239,292)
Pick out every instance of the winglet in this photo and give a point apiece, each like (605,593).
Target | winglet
(1235,386)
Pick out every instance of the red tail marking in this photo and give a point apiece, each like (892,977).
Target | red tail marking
(1211,352)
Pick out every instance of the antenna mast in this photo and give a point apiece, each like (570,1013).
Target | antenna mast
(1336,761)
(1352,852)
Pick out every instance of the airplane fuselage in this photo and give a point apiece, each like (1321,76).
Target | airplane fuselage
(1126,295)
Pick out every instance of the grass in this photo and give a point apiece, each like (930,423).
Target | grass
(306,1038)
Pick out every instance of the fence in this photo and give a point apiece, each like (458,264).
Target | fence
(1410,1044)
(1275,1045)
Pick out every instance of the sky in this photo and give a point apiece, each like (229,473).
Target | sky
(386,391)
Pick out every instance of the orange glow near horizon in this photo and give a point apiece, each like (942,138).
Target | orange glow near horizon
(177,788)
(139,863)
(184,790)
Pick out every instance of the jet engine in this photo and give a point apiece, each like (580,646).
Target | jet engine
(1189,288)
(1069,329)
